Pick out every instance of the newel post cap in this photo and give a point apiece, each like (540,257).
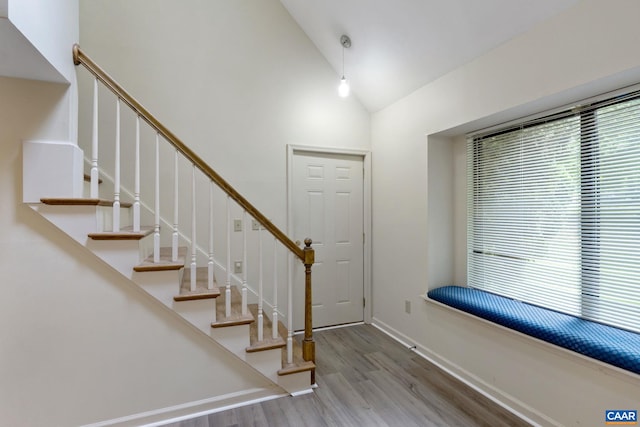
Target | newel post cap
(309,253)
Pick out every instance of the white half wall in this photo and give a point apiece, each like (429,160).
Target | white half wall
(80,345)
(418,163)
(40,180)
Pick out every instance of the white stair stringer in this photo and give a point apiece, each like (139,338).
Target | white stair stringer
(122,255)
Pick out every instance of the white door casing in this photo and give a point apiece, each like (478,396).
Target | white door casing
(328,203)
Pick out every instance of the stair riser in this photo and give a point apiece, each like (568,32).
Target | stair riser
(268,362)
(233,338)
(79,221)
(102,190)
(146,247)
(159,284)
(76,221)
(105,218)
(122,255)
(199,313)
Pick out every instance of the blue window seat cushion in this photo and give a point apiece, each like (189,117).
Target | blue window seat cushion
(605,343)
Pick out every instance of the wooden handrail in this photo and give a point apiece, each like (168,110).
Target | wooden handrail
(80,58)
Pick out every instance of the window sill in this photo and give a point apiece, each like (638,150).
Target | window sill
(607,344)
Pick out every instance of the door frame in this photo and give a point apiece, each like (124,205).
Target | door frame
(292,149)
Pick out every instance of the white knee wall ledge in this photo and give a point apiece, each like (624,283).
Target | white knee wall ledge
(51,169)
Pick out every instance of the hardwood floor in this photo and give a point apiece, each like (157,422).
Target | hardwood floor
(367,379)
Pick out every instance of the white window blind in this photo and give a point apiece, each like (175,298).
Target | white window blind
(554,212)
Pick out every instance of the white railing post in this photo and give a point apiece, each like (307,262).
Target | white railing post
(289,310)
(94,144)
(116,175)
(274,318)
(210,264)
(215,300)
(174,237)
(260,294)
(244,263)
(228,288)
(136,185)
(156,225)
(193,229)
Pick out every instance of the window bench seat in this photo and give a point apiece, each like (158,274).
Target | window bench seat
(605,343)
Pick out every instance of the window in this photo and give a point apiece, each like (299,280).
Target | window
(554,211)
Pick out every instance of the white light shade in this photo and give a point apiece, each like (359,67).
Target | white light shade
(343,89)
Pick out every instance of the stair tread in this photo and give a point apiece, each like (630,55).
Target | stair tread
(268,343)
(298,365)
(236,317)
(233,320)
(165,262)
(202,281)
(80,201)
(126,233)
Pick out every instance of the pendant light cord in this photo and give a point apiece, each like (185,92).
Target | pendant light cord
(343,61)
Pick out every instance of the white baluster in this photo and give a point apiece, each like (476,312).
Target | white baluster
(116,177)
(136,185)
(215,300)
(274,318)
(174,240)
(244,263)
(289,310)
(193,229)
(210,264)
(260,295)
(94,144)
(156,225)
(228,288)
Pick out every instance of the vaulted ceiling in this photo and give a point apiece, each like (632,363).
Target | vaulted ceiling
(399,46)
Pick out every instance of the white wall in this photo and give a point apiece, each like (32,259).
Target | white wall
(48,31)
(52,27)
(418,225)
(236,81)
(79,344)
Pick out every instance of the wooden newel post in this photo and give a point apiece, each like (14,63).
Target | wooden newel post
(308,345)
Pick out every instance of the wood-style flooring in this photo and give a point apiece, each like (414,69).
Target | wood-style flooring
(367,379)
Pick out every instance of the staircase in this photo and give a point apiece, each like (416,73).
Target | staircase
(172,266)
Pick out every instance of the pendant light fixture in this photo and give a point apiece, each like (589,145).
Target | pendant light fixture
(343,89)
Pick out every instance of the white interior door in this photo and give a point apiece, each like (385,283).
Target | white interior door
(327,199)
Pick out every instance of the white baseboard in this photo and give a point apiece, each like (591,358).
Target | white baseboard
(510,403)
(190,410)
